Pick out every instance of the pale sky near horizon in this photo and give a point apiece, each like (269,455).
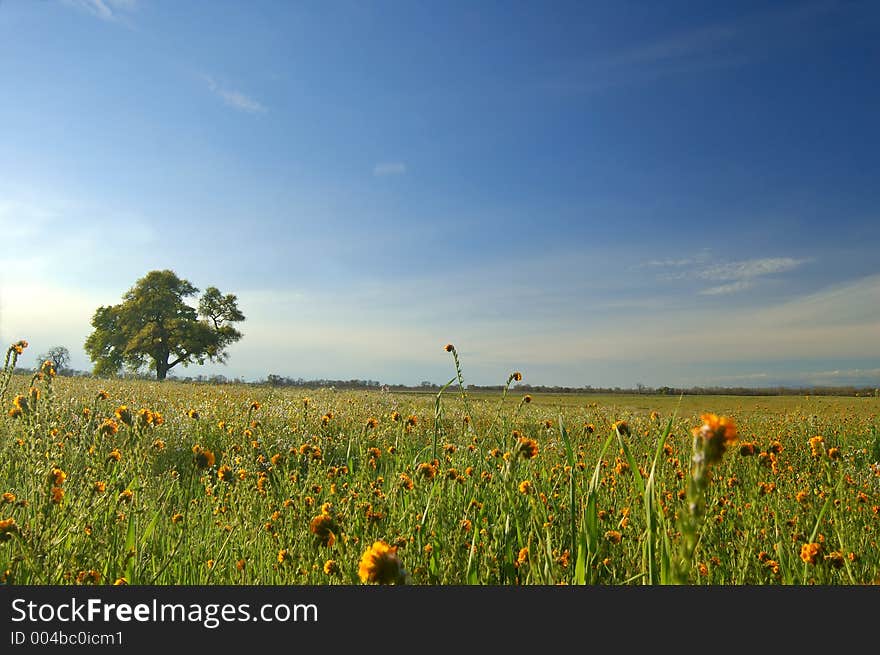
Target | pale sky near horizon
(592,193)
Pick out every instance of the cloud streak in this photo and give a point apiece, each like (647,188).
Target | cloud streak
(107,10)
(234,99)
(738,276)
(389,168)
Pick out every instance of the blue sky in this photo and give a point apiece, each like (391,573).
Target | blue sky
(604,193)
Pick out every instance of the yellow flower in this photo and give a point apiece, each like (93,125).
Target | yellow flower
(449,347)
(522,557)
(331,567)
(283,555)
(816,445)
(613,536)
(381,565)
(516,376)
(8,497)
(525,487)
(114,455)
(100,487)
(125,496)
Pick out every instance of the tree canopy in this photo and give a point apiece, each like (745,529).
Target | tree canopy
(58,355)
(155,327)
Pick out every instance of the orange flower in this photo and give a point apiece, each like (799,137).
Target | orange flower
(123,413)
(324,527)
(717,433)
(108,427)
(204,458)
(527,448)
(226,474)
(426,470)
(449,347)
(7,526)
(381,565)
(810,552)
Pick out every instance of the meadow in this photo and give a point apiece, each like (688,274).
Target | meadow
(114,481)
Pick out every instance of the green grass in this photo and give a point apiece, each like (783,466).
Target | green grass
(473,522)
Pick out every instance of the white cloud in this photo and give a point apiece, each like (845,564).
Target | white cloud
(723,289)
(840,322)
(739,275)
(109,10)
(235,99)
(750,268)
(389,168)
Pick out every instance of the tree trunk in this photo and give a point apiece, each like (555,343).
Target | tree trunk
(161,370)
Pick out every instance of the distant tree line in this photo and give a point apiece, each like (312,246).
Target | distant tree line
(274,380)
(60,357)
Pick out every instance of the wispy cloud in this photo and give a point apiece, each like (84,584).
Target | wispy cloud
(737,275)
(109,10)
(723,289)
(234,99)
(749,269)
(389,168)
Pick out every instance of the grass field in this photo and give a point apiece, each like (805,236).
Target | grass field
(113,481)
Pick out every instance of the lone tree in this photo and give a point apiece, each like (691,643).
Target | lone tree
(58,355)
(154,326)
